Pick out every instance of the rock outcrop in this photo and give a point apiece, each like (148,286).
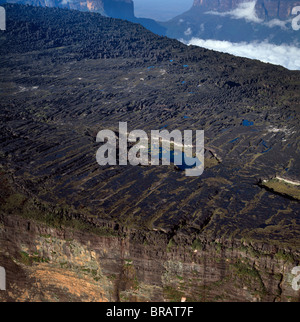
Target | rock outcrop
(275,9)
(265,9)
(237,21)
(47,264)
(123,9)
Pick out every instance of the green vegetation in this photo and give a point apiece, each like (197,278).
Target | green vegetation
(218,247)
(243,269)
(128,262)
(53,217)
(210,162)
(172,294)
(197,244)
(249,275)
(171,244)
(28,259)
(281,187)
(25,258)
(281,255)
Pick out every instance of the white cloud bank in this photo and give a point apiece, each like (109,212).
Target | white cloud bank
(188,32)
(245,10)
(284,55)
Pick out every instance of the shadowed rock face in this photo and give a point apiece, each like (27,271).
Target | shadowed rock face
(112,8)
(121,9)
(265,9)
(271,9)
(46,264)
(261,20)
(118,8)
(219,5)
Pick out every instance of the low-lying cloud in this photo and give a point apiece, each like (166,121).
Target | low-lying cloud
(245,10)
(284,55)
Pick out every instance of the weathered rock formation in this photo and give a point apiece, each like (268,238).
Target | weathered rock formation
(47,264)
(73,230)
(113,8)
(266,9)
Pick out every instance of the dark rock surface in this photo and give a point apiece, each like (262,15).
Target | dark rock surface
(114,8)
(121,9)
(65,75)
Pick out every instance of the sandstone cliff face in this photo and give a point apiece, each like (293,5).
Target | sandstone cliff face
(265,9)
(47,264)
(271,9)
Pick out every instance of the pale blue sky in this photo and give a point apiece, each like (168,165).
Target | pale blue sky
(161,10)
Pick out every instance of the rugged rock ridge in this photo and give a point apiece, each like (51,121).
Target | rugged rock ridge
(220,5)
(265,9)
(113,8)
(270,9)
(237,21)
(121,9)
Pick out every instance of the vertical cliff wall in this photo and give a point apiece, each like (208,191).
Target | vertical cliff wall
(50,264)
(266,9)
(275,9)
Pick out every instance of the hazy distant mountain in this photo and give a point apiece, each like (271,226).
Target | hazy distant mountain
(237,20)
(123,9)
(266,9)
(161,10)
(247,28)
(114,8)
